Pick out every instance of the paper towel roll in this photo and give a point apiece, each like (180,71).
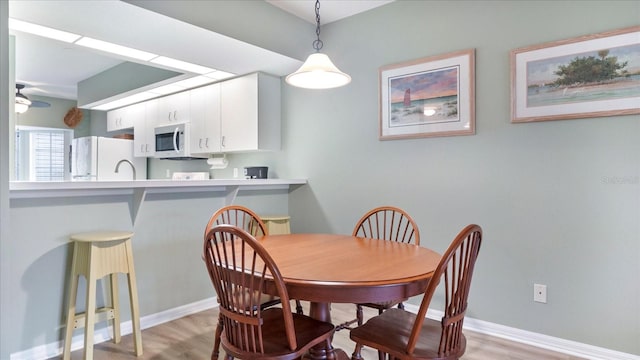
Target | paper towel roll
(218,162)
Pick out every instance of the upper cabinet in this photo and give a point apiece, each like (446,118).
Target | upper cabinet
(237,115)
(144,142)
(205,119)
(174,108)
(250,113)
(124,118)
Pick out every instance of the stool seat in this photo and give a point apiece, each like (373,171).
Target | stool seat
(277,225)
(95,255)
(98,236)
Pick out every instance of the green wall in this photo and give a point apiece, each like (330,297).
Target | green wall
(53,116)
(539,190)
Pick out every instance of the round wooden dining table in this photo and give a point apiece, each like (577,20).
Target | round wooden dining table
(329,268)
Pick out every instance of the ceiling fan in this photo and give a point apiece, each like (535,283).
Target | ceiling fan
(23,103)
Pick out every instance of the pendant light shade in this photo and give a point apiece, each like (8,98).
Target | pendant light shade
(318,72)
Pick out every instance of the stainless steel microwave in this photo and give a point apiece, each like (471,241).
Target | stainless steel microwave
(172,142)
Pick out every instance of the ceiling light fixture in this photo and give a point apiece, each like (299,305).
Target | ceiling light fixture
(35,29)
(22,102)
(181,65)
(115,49)
(318,72)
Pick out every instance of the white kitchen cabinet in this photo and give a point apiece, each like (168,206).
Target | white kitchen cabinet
(174,108)
(144,139)
(125,117)
(250,113)
(205,119)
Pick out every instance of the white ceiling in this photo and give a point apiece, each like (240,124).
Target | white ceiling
(330,10)
(52,68)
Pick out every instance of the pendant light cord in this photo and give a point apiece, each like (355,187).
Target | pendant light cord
(317,44)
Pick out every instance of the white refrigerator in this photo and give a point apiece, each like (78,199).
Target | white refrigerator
(96,158)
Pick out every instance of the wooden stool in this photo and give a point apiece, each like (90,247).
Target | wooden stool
(95,255)
(277,225)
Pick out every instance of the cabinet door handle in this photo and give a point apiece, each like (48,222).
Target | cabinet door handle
(223,141)
(200,143)
(206,143)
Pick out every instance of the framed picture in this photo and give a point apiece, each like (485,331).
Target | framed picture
(590,76)
(433,96)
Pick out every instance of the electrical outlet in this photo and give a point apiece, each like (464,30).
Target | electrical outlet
(540,293)
(235,172)
(167,174)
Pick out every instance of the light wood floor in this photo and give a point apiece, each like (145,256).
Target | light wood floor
(191,337)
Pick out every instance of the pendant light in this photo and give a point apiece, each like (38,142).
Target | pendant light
(318,72)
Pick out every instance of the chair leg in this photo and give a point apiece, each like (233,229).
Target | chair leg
(359,315)
(216,345)
(299,308)
(381,355)
(357,352)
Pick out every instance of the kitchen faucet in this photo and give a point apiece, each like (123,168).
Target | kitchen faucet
(128,162)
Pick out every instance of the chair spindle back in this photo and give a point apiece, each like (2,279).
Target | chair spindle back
(239,216)
(454,271)
(388,223)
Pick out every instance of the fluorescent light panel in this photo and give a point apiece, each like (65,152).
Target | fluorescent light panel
(115,49)
(208,75)
(193,82)
(167,89)
(182,65)
(43,31)
(219,75)
(132,99)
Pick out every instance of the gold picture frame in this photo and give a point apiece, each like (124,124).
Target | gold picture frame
(589,76)
(431,96)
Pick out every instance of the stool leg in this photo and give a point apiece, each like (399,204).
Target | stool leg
(133,299)
(71,310)
(90,314)
(115,304)
(71,313)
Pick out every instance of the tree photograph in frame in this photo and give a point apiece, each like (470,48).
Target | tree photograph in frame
(432,96)
(589,76)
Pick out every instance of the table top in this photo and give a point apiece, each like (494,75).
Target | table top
(349,269)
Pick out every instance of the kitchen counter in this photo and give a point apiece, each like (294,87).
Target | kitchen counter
(140,188)
(29,189)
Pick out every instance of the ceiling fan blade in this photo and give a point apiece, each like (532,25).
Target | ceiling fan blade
(39,104)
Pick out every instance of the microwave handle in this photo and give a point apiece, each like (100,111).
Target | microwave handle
(175,139)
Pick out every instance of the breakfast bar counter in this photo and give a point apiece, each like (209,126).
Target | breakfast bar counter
(38,189)
(139,189)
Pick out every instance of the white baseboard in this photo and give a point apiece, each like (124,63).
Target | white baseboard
(47,351)
(534,339)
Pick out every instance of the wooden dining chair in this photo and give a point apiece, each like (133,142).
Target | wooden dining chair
(239,266)
(385,223)
(404,335)
(250,222)
(239,216)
